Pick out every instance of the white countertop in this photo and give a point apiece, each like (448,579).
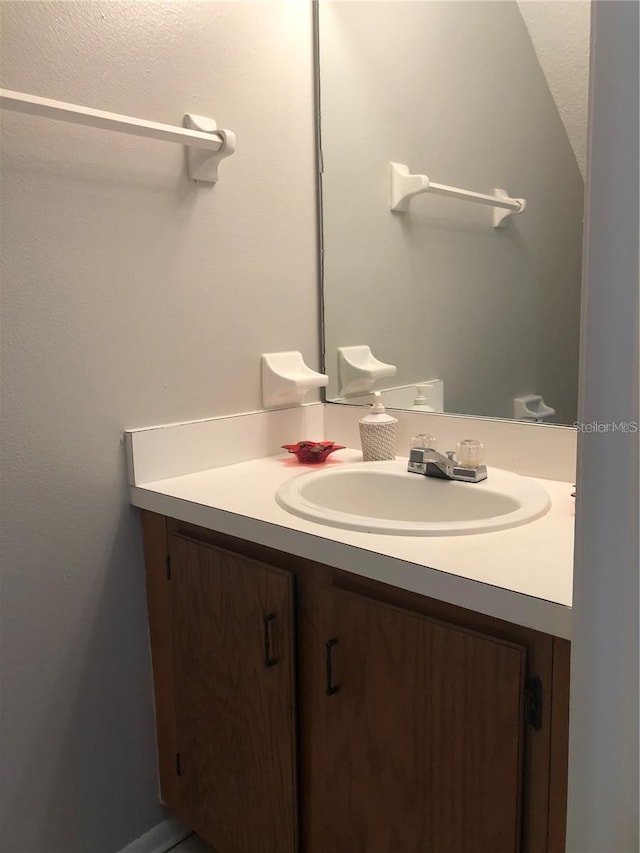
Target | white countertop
(522,575)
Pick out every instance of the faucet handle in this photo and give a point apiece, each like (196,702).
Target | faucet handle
(423,440)
(470,453)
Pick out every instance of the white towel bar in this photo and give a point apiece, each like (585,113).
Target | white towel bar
(220,143)
(404,186)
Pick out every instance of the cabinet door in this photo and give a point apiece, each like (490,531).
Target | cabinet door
(414,731)
(233,664)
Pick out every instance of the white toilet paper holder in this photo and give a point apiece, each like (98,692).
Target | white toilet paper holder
(531,407)
(286,379)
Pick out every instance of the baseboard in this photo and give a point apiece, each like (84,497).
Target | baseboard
(159,838)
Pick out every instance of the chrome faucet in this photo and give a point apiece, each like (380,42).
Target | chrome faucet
(431,463)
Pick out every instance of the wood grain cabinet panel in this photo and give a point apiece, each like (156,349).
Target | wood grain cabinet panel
(414,732)
(413,726)
(234,683)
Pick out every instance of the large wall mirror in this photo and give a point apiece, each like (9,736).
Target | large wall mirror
(476,303)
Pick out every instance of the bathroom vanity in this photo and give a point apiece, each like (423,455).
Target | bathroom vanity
(314,693)
(300,707)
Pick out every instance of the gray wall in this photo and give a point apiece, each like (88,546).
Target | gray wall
(130,296)
(453,90)
(603,754)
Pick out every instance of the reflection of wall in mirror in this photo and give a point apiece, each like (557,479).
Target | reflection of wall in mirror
(454,90)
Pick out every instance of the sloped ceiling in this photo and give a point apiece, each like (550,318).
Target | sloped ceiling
(560,32)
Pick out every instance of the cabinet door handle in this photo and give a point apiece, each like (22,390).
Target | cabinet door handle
(332,688)
(268,659)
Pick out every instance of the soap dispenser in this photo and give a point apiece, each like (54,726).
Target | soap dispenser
(421,402)
(378,433)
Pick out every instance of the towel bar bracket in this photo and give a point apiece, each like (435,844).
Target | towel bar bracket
(202,165)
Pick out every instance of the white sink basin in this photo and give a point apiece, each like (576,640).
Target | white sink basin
(383,497)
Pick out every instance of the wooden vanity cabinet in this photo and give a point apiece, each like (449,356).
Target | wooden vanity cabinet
(221,629)
(302,709)
(414,731)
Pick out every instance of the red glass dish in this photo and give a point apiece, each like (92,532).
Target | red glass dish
(312,452)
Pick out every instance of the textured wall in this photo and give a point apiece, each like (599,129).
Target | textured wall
(130,296)
(559,30)
(438,291)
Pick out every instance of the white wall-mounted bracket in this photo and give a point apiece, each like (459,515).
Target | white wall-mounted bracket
(501,214)
(404,186)
(359,370)
(286,379)
(531,407)
(202,165)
